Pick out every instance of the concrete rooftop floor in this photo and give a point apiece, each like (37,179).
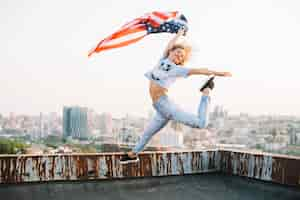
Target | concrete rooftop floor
(210,186)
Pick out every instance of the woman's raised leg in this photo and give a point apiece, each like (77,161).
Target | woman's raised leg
(204,108)
(171,111)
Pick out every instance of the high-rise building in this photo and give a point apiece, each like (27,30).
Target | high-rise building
(75,122)
(91,115)
(12,121)
(41,126)
(106,123)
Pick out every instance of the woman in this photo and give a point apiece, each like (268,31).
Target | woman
(169,68)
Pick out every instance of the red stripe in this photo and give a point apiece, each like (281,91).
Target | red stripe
(127,31)
(102,45)
(153,22)
(133,22)
(160,15)
(121,44)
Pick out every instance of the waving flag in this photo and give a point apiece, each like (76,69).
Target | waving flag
(135,30)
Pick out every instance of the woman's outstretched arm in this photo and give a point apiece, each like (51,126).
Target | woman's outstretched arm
(204,71)
(173,41)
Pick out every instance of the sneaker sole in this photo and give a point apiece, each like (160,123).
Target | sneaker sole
(211,77)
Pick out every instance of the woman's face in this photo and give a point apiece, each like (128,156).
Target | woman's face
(177,56)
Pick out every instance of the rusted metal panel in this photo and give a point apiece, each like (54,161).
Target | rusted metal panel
(31,168)
(286,171)
(267,167)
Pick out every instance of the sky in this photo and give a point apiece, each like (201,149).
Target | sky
(44,63)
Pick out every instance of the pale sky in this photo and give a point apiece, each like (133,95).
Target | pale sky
(44,64)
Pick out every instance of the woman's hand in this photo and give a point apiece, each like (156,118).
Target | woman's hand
(225,74)
(181,31)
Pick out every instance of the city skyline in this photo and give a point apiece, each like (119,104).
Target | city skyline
(45,66)
(148,115)
(80,125)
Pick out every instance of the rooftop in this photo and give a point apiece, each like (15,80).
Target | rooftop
(211,186)
(209,174)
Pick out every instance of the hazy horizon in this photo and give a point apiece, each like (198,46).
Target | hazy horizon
(44,63)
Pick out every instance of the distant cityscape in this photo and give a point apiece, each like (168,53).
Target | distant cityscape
(81,129)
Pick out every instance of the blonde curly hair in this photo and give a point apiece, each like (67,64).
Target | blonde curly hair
(183,45)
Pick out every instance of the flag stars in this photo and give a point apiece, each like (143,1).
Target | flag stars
(170,27)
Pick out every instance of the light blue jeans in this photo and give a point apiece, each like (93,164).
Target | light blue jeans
(167,110)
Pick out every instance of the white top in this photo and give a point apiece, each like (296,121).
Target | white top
(166,73)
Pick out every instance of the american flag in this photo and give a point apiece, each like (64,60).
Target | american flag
(135,30)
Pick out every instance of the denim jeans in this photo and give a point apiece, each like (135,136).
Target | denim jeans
(167,110)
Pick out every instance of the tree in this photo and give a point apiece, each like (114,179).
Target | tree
(53,141)
(8,146)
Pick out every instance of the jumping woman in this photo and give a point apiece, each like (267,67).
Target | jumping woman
(169,68)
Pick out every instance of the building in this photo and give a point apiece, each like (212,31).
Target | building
(75,122)
(41,126)
(105,123)
(128,135)
(172,136)
(218,117)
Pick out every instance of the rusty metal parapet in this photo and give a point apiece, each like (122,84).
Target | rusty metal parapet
(31,168)
(263,166)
